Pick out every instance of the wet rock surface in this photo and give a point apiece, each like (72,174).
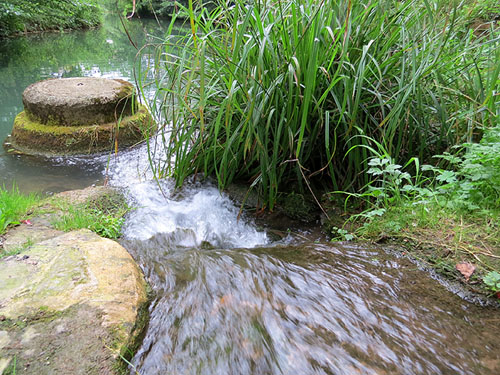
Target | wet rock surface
(69,302)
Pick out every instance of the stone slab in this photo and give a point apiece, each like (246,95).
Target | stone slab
(78,101)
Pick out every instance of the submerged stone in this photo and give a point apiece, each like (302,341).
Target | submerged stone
(78,116)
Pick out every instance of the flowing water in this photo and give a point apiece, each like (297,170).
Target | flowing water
(304,309)
(228,300)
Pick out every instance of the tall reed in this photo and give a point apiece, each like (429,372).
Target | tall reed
(277,93)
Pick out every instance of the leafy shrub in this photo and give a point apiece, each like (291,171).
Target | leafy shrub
(474,180)
(167,8)
(37,15)
(471,181)
(161,8)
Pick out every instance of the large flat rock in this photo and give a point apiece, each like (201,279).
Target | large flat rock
(74,291)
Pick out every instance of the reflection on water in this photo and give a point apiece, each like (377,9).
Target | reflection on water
(103,52)
(36,174)
(312,309)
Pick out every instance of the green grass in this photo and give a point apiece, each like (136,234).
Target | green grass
(288,95)
(105,222)
(14,206)
(104,216)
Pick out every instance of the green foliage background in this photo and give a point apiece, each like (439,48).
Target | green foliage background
(164,8)
(37,15)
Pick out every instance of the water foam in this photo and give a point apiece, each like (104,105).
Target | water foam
(196,215)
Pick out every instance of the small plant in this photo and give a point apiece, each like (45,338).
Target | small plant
(341,234)
(390,184)
(104,224)
(492,281)
(14,206)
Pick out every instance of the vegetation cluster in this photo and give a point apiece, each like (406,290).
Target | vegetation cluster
(295,92)
(104,216)
(14,207)
(394,105)
(154,8)
(18,16)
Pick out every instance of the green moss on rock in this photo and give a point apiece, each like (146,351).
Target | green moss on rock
(32,137)
(298,207)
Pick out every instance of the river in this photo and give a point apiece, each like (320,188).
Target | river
(229,300)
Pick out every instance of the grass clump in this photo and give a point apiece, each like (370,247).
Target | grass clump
(14,206)
(283,93)
(105,225)
(104,217)
(38,15)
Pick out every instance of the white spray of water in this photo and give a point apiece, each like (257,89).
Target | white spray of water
(195,215)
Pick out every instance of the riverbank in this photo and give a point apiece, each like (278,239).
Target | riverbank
(23,16)
(462,248)
(68,293)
